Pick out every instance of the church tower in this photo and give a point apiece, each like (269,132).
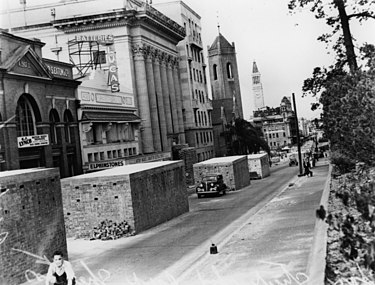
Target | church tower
(225,84)
(225,89)
(257,88)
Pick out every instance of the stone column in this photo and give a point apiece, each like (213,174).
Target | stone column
(178,90)
(172,96)
(160,102)
(153,102)
(143,101)
(166,101)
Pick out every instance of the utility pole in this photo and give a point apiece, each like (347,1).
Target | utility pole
(298,139)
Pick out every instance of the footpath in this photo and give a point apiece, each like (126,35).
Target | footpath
(283,243)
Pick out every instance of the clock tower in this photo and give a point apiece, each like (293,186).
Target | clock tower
(257,88)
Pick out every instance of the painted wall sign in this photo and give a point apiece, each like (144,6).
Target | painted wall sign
(32,141)
(112,74)
(102,39)
(106,98)
(59,71)
(103,165)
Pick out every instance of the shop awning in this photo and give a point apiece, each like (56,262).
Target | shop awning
(118,117)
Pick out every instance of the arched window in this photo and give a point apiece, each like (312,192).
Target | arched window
(53,119)
(68,127)
(25,117)
(215,71)
(229,70)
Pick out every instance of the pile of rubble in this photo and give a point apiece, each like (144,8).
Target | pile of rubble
(109,230)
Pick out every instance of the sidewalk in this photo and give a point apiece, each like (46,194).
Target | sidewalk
(275,246)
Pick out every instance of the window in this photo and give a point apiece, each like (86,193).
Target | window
(215,71)
(68,127)
(53,119)
(25,118)
(229,70)
(128,132)
(99,57)
(284,134)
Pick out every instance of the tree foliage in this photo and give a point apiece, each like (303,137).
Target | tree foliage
(346,95)
(245,138)
(338,14)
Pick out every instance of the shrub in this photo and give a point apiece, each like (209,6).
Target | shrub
(342,162)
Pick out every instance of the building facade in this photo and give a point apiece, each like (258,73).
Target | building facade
(134,47)
(257,88)
(38,109)
(225,87)
(278,124)
(197,106)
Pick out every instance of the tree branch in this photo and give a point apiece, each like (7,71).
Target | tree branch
(365,14)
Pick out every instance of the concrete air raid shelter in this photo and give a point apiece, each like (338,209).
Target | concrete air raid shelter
(125,53)
(37,109)
(225,86)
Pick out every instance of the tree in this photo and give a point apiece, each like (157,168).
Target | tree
(335,12)
(245,138)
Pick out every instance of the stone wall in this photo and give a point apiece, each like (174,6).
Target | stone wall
(31,222)
(144,195)
(189,156)
(259,163)
(235,170)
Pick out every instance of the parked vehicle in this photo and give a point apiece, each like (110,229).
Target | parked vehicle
(293,161)
(211,184)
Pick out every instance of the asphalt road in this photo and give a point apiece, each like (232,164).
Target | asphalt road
(173,247)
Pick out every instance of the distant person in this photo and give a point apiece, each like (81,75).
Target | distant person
(306,166)
(60,271)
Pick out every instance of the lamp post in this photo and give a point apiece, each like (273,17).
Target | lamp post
(298,139)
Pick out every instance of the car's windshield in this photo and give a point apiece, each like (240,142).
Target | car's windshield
(209,178)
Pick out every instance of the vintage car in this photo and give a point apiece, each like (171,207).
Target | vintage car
(211,184)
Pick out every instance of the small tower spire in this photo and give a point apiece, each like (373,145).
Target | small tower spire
(218,22)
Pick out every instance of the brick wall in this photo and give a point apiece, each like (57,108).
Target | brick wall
(144,195)
(32,221)
(235,170)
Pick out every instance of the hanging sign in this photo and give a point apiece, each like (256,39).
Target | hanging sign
(32,141)
(112,74)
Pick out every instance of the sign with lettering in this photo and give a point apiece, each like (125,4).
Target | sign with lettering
(24,63)
(59,70)
(103,165)
(111,99)
(32,141)
(112,74)
(101,39)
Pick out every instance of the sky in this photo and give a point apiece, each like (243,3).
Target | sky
(284,45)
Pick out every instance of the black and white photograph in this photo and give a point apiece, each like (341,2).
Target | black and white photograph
(187,142)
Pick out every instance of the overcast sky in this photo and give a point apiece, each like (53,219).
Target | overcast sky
(284,46)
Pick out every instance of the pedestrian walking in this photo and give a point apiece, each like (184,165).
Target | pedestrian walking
(60,271)
(307,166)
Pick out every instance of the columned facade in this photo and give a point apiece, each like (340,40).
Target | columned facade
(143,99)
(153,101)
(196,110)
(159,98)
(160,104)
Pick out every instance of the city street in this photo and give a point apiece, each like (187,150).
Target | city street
(175,246)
